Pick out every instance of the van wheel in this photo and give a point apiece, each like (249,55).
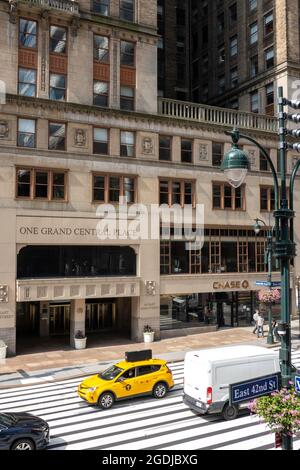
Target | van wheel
(230,412)
(106,400)
(160,390)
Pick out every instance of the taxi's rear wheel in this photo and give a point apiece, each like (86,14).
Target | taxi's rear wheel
(106,400)
(160,390)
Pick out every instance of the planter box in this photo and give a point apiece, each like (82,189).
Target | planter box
(80,343)
(149,337)
(3,352)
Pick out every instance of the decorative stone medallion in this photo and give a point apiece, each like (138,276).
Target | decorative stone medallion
(80,137)
(148,146)
(4,293)
(252,157)
(150,287)
(4,129)
(203,152)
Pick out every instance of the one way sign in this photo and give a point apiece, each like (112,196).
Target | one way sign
(297,384)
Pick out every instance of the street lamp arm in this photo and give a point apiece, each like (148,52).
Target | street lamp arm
(291,193)
(236,135)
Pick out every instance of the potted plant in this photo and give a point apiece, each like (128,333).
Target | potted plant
(3,348)
(148,334)
(80,340)
(280,411)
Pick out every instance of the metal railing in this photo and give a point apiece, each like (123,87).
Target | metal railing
(63,5)
(218,116)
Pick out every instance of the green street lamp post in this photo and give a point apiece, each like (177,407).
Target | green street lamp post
(269,256)
(236,165)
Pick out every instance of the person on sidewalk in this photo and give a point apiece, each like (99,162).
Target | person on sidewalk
(255,318)
(275,331)
(260,326)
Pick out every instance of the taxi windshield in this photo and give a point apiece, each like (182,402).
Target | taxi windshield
(111,373)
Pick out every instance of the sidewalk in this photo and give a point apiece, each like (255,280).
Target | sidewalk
(58,365)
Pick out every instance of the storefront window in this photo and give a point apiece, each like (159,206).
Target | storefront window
(76,261)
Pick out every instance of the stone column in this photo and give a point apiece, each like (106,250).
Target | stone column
(44,319)
(77,320)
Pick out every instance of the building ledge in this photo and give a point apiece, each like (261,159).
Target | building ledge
(61,289)
(67,6)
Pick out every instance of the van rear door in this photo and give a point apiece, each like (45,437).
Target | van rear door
(197,377)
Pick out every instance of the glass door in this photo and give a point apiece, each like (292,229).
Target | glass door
(60,319)
(101,316)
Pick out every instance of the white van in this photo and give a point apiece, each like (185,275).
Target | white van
(209,372)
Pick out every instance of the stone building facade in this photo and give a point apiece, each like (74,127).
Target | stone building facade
(81,126)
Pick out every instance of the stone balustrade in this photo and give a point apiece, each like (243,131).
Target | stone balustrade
(68,6)
(217,116)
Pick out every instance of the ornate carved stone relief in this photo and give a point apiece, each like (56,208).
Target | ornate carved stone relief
(203,152)
(150,287)
(4,130)
(148,146)
(80,137)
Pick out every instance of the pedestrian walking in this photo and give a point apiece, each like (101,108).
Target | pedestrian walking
(275,331)
(255,318)
(260,326)
(206,313)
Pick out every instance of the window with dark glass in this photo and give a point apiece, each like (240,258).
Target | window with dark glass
(127,144)
(57,136)
(127,54)
(23,183)
(100,93)
(27,82)
(177,192)
(58,39)
(254,102)
(110,188)
(57,87)
(233,46)
(253,33)
(263,163)
(41,184)
(165,148)
(100,6)
(233,13)
(101,48)
(26,133)
(127,10)
(42,261)
(226,197)
(127,98)
(269,58)
(217,153)
(267,199)
(268,23)
(27,33)
(100,141)
(253,66)
(186,151)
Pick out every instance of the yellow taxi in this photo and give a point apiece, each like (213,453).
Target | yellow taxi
(127,379)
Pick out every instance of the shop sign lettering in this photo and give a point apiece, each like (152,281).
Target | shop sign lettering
(67,231)
(231,285)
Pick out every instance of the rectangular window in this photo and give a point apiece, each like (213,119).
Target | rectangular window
(267,199)
(41,184)
(127,54)
(225,197)
(253,33)
(254,102)
(101,94)
(252,5)
(127,98)
(217,154)
(58,40)
(100,6)
(27,82)
(177,192)
(186,151)
(253,66)
(127,10)
(234,78)
(127,144)
(27,34)
(263,163)
(57,87)
(100,141)
(233,46)
(269,58)
(101,49)
(26,133)
(268,23)
(165,148)
(57,136)
(110,188)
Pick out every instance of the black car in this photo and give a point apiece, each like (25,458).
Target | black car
(23,431)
